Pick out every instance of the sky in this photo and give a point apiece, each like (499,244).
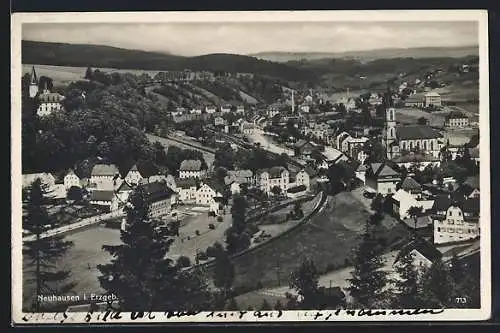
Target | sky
(191,39)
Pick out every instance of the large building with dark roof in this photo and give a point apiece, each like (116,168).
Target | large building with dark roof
(456,221)
(381,178)
(191,168)
(159,197)
(400,140)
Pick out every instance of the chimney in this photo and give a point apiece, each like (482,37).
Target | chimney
(293,103)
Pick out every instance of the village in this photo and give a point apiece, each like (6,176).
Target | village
(410,152)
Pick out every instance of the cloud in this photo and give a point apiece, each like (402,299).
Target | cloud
(245,38)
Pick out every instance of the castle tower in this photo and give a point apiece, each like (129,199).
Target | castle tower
(390,130)
(33,83)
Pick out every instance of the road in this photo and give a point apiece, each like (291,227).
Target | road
(77,225)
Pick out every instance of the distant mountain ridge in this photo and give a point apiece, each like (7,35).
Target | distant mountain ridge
(65,54)
(370,55)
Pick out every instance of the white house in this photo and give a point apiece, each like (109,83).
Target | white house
(49,102)
(225,108)
(432,99)
(247,128)
(276,176)
(186,189)
(459,222)
(361,172)
(195,111)
(133,176)
(423,253)
(219,121)
(71,179)
(160,198)
(105,177)
(104,198)
(240,109)
(210,109)
(403,200)
(301,178)
(381,178)
(191,168)
(206,194)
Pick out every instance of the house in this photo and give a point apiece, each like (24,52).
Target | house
(105,177)
(465,191)
(46,179)
(240,109)
(416,160)
(459,222)
(49,102)
(205,194)
(160,198)
(417,138)
(410,195)
(170,181)
(432,99)
(238,177)
(300,179)
(225,108)
(123,192)
(210,109)
(186,189)
(71,179)
(320,131)
(277,176)
(330,156)
(304,149)
(272,111)
(133,176)
(191,168)
(424,254)
(296,191)
(219,121)
(381,178)
(247,128)
(104,198)
(416,100)
(304,108)
(195,111)
(456,120)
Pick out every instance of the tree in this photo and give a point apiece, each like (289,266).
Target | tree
(368,279)
(278,306)
(406,284)
(415,212)
(437,286)
(232,305)
(183,262)
(276,190)
(265,306)
(223,273)
(238,212)
(44,252)
(140,274)
(88,74)
(305,281)
(75,193)
(297,210)
(377,203)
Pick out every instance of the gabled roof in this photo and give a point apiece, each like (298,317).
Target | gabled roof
(425,248)
(33,77)
(50,97)
(274,172)
(185,183)
(124,187)
(104,170)
(455,115)
(101,195)
(190,165)
(245,173)
(471,206)
(157,191)
(432,94)
(417,132)
(297,189)
(410,184)
(441,203)
(383,170)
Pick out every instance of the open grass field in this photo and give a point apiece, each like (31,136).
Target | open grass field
(63,75)
(329,238)
(410,116)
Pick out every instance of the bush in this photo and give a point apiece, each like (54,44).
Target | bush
(183,261)
(197,232)
(211,226)
(202,256)
(219,219)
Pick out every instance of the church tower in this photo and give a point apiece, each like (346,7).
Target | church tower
(33,83)
(390,130)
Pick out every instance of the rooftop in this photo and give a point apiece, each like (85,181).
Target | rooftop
(417,132)
(410,184)
(423,247)
(101,195)
(190,165)
(104,170)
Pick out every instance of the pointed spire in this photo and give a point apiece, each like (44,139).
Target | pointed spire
(34,79)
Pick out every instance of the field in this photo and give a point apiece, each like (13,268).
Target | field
(407,116)
(63,75)
(86,251)
(328,239)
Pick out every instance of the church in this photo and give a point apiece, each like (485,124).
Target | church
(48,101)
(399,140)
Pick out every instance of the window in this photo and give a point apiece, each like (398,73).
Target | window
(439,229)
(449,213)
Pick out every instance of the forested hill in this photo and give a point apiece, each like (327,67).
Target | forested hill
(63,54)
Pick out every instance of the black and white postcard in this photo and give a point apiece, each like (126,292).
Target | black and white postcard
(313,166)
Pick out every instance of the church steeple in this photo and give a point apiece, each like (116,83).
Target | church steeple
(33,83)
(390,130)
